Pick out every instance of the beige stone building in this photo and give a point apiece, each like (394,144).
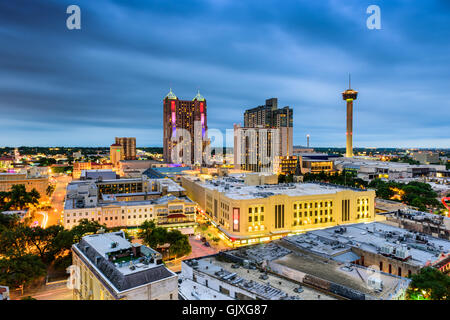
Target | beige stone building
(247,214)
(128,203)
(108,267)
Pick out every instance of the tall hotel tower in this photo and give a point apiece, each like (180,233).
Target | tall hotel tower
(349,95)
(267,136)
(189,115)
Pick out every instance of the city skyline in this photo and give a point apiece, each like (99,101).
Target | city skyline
(109,78)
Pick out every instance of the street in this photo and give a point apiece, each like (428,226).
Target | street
(52,291)
(46,218)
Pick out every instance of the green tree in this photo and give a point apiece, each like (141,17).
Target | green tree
(19,198)
(145,230)
(154,236)
(46,243)
(84,227)
(20,271)
(8,220)
(430,283)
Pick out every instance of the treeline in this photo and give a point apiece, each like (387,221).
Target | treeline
(27,253)
(344,178)
(18,198)
(415,193)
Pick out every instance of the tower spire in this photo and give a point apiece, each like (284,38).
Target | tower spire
(349,80)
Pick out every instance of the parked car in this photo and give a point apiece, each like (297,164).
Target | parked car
(298,290)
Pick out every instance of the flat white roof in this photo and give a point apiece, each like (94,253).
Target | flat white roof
(370,237)
(236,189)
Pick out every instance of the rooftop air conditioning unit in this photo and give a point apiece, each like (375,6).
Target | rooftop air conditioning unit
(375,283)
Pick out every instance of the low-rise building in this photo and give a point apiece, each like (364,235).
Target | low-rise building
(417,221)
(425,157)
(217,277)
(165,204)
(108,267)
(325,266)
(288,164)
(316,162)
(78,167)
(369,170)
(7,180)
(375,245)
(98,174)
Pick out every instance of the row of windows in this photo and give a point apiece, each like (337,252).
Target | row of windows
(255,218)
(316,213)
(109,212)
(316,220)
(255,210)
(310,205)
(114,218)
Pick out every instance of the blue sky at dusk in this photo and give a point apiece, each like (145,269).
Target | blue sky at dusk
(84,87)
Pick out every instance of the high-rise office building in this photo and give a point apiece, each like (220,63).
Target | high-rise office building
(129,147)
(256,149)
(269,116)
(266,136)
(185,129)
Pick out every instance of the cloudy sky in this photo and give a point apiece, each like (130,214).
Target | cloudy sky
(84,87)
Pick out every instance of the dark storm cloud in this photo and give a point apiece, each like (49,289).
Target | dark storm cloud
(83,87)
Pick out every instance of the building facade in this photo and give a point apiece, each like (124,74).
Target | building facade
(251,214)
(267,136)
(269,116)
(128,203)
(108,267)
(78,167)
(7,180)
(185,129)
(116,154)
(426,157)
(129,147)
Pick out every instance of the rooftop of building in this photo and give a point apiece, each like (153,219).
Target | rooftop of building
(234,187)
(248,279)
(119,264)
(417,249)
(162,200)
(331,266)
(361,162)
